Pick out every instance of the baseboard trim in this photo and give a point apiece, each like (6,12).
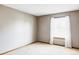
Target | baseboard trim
(75,47)
(43,42)
(17,48)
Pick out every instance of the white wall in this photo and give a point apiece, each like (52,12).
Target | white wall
(16,29)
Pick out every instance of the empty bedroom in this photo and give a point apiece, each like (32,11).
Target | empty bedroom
(39,29)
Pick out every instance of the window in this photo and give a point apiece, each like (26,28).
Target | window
(59,27)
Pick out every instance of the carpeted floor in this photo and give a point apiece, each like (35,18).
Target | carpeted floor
(39,48)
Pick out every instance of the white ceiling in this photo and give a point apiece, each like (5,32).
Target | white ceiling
(44,9)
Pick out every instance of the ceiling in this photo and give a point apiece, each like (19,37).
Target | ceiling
(44,9)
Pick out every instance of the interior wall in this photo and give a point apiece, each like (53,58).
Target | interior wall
(16,28)
(75,28)
(44,27)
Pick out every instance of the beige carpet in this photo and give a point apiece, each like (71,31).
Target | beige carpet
(39,48)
